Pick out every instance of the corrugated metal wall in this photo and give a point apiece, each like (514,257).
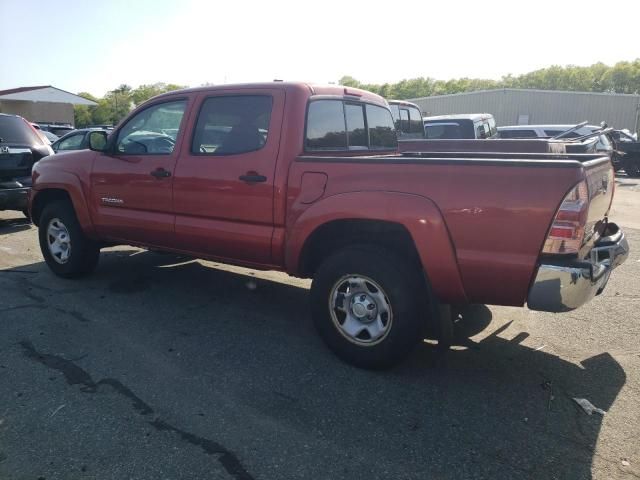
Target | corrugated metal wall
(541,106)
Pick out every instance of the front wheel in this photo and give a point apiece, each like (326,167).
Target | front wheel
(65,248)
(369,306)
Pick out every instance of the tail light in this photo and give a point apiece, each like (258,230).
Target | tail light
(567,230)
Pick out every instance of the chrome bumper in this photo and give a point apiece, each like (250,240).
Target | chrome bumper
(560,287)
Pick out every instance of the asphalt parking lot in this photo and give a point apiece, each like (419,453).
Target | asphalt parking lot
(161,367)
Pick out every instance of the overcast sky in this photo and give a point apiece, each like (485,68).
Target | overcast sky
(96,46)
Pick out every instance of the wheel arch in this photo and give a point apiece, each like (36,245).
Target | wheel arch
(65,186)
(409,224)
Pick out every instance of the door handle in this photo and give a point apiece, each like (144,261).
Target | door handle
(253,177)
(161,173)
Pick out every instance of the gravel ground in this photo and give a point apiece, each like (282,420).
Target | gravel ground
(160,367)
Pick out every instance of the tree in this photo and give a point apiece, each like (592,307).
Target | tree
(145,92)
(623,77)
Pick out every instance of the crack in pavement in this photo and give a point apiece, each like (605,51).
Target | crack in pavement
(76,375)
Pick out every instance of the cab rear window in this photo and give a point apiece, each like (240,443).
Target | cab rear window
(343,125)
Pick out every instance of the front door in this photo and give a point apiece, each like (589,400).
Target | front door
(224,181)
(132,184)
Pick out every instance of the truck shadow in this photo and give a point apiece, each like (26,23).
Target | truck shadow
(490,408)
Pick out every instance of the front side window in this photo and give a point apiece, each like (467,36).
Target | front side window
(231,125)
(416,126)
(153,131)
(73,142)
(492,127)
(382,135)
(404,120)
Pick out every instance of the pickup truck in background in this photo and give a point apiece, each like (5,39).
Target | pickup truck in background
(458,126)
(627,148)
(407,119)
(308,180)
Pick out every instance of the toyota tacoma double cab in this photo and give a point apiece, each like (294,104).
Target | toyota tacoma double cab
(308,180)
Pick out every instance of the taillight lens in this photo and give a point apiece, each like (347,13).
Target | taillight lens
(567,231)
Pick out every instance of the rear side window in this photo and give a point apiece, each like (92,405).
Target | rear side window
(382,135)
(492,127)
(231,125)
(325,126)
(338,125)
(482,130)
(16,130)
(525,133)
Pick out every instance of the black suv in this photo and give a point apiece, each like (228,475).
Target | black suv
(20,148)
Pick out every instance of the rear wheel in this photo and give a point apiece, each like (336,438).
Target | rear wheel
(369,305)
(632,167)
(65,248)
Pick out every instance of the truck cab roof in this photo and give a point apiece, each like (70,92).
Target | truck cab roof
(309,88)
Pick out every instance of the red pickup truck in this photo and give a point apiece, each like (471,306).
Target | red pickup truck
(308,180)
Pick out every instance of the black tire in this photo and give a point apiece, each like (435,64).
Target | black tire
(403,286)
(84,253)
(632,167)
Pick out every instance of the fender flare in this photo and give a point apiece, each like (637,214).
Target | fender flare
(71,184)
(419,215)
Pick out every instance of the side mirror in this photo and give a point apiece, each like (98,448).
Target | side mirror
(98,141)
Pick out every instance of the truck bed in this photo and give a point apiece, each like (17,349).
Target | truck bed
(497,218)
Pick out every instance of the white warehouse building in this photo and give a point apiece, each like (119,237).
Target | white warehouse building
(513,106)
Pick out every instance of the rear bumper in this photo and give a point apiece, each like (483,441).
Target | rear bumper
(14,198)
(563,286)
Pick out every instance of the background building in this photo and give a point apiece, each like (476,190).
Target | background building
(43,104)
(512,106)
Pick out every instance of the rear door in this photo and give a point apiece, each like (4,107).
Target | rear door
(131,185)
(224,181)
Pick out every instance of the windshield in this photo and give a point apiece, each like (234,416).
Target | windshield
(16,130)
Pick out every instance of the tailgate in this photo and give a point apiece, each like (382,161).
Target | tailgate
(15,161)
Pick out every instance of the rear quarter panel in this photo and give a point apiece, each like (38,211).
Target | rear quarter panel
(493,219)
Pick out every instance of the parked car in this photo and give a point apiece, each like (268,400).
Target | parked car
(472,125)
(407,119)
(628,148)
(549,131)
(48,137)
(58,129)
(20,147)
(315,187)
(74,140)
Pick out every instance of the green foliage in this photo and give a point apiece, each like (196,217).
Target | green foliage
(117,103)
(623,77)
